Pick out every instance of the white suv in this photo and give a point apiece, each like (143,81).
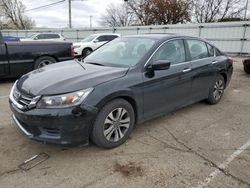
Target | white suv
(44,37)
(90,43)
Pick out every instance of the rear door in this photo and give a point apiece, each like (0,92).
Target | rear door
(203,59)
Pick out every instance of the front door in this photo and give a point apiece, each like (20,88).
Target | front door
(167,90)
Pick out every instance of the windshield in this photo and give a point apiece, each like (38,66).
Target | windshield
(121,52)
(89,38)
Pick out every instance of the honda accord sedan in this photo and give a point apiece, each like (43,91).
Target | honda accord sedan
(125,82)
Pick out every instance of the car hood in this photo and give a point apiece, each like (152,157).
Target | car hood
(67,77)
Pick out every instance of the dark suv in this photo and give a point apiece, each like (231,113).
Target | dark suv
(127,81)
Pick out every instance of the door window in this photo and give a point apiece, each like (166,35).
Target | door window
(173,51)
(210,50)
(111,37)
(51,36)
(102,39)
(198,49)
(41,36)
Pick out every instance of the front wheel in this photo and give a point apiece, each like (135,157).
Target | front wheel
(217,90)
(113,124)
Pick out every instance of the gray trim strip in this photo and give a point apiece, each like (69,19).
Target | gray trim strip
(20,126)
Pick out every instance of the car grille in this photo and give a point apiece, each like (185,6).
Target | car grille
(22,99)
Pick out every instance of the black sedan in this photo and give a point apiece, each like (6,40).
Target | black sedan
(127,81)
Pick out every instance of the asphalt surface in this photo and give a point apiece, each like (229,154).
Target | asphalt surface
(197,146)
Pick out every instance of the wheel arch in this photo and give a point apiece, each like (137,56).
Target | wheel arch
(224,75)
(127,96)
(46,55)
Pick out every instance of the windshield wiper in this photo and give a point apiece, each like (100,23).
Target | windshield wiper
(95,63)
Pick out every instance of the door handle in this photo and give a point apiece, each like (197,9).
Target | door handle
(214,62)
(186,70)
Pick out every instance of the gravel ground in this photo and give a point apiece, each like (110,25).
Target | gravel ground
(197,146)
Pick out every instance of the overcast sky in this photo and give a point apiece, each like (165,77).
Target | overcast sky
(57,15)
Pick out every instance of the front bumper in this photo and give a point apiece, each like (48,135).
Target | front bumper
(68,126)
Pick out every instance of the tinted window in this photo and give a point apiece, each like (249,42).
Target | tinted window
(198,49)
(102,38)
(111,37)
(51,36)
(41,36)
(172,51)
(210,50)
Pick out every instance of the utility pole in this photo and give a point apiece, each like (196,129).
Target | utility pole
(70,23)
(90,21)
(245,17)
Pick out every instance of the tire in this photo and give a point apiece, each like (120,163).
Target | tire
(113,124)
(247,68)
(217,90)
(86,52)
(44,61)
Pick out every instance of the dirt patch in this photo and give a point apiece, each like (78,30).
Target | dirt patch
(130,169)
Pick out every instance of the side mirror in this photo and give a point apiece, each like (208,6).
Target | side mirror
(35,38)
(96,40)
(160,65)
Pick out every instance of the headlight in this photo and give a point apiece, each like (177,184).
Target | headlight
(78,46)
(65,100)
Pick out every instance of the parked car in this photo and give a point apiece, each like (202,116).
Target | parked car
(246,64)
(127,81)
(90,43)
(19,58)
(45,37)
(11,39)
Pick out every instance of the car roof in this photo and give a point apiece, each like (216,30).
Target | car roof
(162,36)
(97,34)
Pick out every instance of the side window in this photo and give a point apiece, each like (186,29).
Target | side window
(102,38)
(217,52)
(111,37)
(40,36)
(53,36)
(210,50)
(173,51)
(198,49)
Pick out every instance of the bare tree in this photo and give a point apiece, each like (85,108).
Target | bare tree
(117,16)
(151,12)
(13,12)
(216,10)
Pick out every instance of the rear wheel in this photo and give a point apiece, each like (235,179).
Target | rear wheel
(44,61)
(113,124)
(217,90)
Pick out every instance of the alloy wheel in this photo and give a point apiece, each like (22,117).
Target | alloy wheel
(44,63)
(116,124)
(218,89)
